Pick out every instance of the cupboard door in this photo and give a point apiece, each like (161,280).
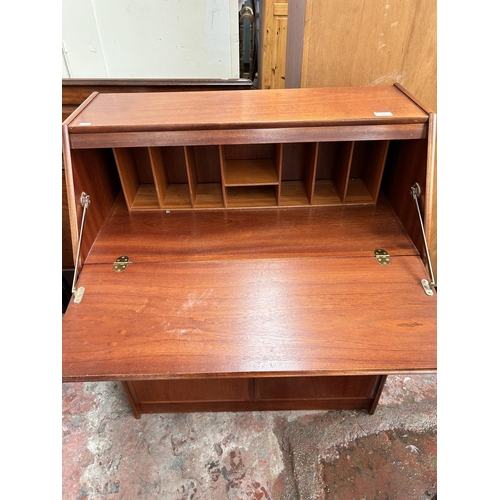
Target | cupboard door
(192,390)
(293,388)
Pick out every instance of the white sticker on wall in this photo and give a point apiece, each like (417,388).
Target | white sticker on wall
(379,113)
(83,124)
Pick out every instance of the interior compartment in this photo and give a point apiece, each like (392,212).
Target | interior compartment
(252,196)
(316,387)
(299,167)
(204,172)
(169,171)
(365,173)
(319,174)
(251,164)
(332,172)
(253,176)
(136,175)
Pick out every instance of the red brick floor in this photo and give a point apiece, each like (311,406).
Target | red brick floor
(108,454)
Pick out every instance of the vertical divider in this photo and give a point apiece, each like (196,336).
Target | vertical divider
(343,168)
(279,170)
(372,176)
(222,156)
(128,174)
(191,173)
(310,169)
(160,177)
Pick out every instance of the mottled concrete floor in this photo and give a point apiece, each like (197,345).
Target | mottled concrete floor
(306,455)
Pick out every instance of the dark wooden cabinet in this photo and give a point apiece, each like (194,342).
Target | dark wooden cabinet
(229,258)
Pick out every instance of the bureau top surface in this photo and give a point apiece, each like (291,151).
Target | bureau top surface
(245,109)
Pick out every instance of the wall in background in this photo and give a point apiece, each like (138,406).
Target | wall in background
(367,42)
(153,39)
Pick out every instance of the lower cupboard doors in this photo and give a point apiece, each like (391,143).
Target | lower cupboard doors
(354,392)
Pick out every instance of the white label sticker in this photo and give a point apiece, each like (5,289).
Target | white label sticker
(84,124)
(376,113)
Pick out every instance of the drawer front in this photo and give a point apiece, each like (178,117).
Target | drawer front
(293,388)
(191,390)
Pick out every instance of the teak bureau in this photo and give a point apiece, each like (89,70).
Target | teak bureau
(250,250)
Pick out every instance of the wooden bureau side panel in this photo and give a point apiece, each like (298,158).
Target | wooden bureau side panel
(67,251)
(406,165)
(93,172)
(192,390)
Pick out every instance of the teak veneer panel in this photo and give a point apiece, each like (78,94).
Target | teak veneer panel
(353,392)
(189,390)
(248,317)
(315,387)
(245,136)
(250,172)
(218,235)
(245,109)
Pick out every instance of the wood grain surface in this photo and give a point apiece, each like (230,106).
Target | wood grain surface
(248,317)
(367,42)
(257,394)
(254,293)
(272,233)
(242,109)
(76,90)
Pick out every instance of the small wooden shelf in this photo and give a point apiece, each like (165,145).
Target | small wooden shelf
(332,172)
(251,164)
(250,172)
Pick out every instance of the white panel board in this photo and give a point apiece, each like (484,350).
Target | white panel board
(82,52)
(150,38)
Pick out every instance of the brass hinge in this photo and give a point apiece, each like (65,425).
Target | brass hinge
(121,264)
(382,256)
